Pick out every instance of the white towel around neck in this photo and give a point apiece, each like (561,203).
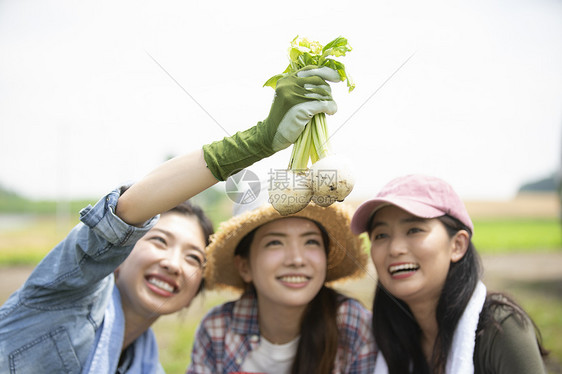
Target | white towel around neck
(460,359)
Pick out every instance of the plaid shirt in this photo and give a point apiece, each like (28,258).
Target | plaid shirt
(230,331)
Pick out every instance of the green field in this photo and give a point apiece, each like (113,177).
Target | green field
(508,235)
(26,245)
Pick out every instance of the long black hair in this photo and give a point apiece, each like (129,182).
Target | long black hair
(319,334)
(397,333)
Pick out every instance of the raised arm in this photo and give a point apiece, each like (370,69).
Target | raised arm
(174,181)
(298,97)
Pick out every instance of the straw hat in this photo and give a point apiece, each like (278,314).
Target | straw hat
(346,256)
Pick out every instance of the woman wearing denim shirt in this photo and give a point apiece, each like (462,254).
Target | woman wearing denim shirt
(88,306)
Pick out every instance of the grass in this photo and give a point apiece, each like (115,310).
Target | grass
(175,333)
(16,204)
(28,243)
(508,235)
(546,312)
(40,227)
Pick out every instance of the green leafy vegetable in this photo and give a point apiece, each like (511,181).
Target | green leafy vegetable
(327,181)
(303,53)
(313,143)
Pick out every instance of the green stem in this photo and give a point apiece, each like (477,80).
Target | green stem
(311,144)
(300,153)
(320,136)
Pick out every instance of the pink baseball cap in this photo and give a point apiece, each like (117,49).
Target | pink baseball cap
(420,195)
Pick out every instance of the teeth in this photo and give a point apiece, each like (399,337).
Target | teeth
(294,279)
(403,267)
(161,284)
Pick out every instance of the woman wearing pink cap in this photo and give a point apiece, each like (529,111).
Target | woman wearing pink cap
(431,312)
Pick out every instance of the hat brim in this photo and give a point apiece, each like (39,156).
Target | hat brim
(346,255)
(364,213)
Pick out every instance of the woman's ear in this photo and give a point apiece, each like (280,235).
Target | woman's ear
(460,245)
(243,266)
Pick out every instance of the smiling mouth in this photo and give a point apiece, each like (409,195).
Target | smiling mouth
(403,268)
(162,284)
(296,279)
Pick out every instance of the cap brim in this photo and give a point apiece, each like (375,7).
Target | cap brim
(363,214)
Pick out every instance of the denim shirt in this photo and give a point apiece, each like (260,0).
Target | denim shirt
(49,325)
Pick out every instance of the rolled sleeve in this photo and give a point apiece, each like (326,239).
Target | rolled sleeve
(88,254)
(103,221)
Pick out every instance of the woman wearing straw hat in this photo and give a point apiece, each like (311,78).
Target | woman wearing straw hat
(287,319)
(431,312)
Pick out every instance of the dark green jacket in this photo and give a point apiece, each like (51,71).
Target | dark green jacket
(513,349)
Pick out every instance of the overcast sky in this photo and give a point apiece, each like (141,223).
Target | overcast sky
(83,106)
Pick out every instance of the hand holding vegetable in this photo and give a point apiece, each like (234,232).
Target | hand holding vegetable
(298,97)
(328,180)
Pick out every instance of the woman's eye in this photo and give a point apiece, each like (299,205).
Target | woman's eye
(379,236)
(194,259)
(159,240)
(272,243)
(414,230)
(313,242)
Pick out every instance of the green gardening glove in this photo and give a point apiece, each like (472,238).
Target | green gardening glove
(298,97)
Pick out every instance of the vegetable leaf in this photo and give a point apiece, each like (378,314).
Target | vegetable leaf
(304,52)
(313,143)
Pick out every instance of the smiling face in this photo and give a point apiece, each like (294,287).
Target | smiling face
(286,264)
(163,272)
(412,255)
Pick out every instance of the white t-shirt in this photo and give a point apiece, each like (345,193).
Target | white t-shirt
(271,358)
